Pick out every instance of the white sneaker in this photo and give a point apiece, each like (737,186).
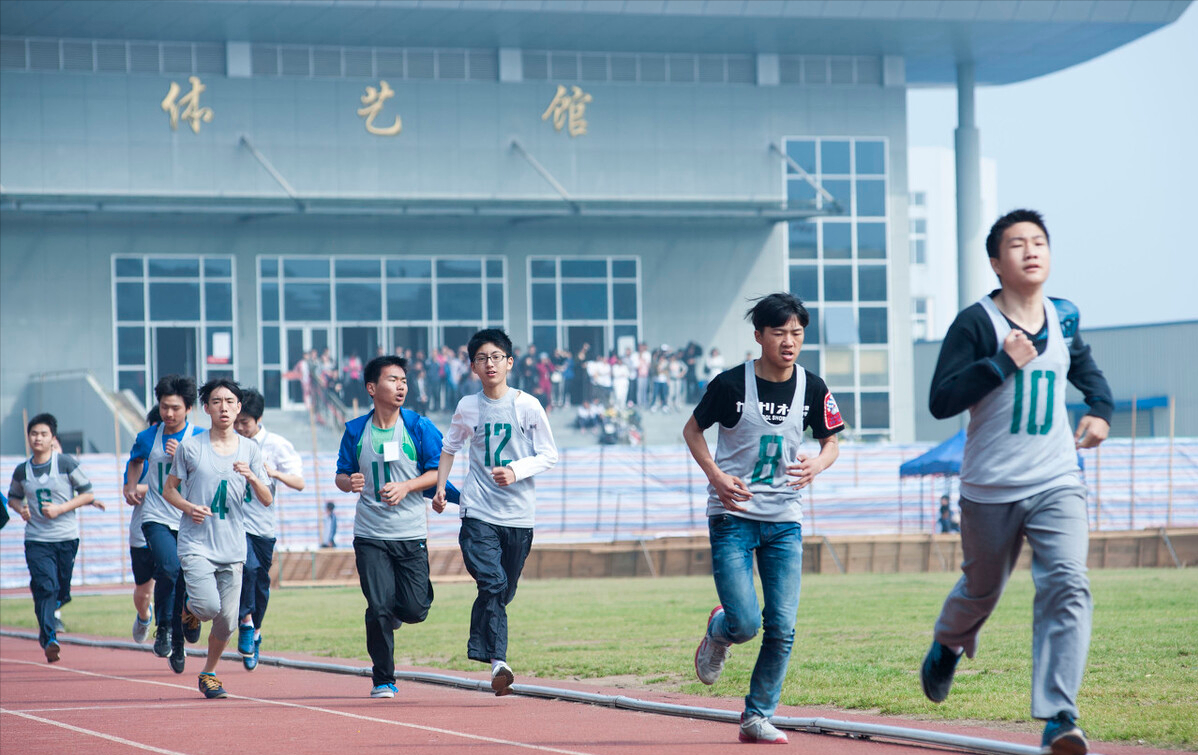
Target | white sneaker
(759,730)
(501,679)
(142,631)
(710,655)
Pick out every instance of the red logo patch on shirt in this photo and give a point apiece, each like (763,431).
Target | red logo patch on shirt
(831,413)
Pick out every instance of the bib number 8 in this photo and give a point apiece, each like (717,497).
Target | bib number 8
(769,458)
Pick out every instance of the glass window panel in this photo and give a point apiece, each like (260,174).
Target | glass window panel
(875,368)
(545,336)
(873,325)
(130,345)
(218,267)
(409,268)
(800,192)
(841,191)
(174,301)
(494,268)
(174,267)
(543,268)
(359,301)
(833,156)
(271,353)
(811,333)
(410,301)
(624,331)
(351,268)
(213,374)
(875,410)
(270,301)
(623,268)
(871,157)
(272,388)
(623,301)
(838,367)
(459,268)
(132,380)
(871,197)
(584,268)
(268,267)
(840,326)
(803,241)
(838,241)
(495,301)
(871,283)
(460,301)
(802,151)
(128,268)
(919,251)
(804,282)
(838,283)
(219,347)
(307,301)
(919,225)
(808,359)
(544,301)
(130,302)
(846,401)
(305,267)
(871,241)
(218,301)
(584,301)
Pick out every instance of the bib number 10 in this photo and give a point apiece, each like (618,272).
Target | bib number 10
(769,458)
(1034,381)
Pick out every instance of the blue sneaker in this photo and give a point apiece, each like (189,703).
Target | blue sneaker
(384,690)
(251,661)
(52,649)
(936,674)
(1062,736)
(245,639)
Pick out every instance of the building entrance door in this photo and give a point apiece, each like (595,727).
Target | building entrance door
(176,352)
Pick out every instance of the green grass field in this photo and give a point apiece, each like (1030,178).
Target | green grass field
(858,643)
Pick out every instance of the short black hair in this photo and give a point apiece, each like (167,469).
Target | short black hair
(154,416)
(375,366)
(45,418)
(252,403)
(221,382)
(183,386)
(489,335)
(774,310)
(994,238)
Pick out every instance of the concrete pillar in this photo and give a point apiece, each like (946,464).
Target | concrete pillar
(974,277)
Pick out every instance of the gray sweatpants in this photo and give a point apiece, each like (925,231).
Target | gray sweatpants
(213,593)
(1055,525)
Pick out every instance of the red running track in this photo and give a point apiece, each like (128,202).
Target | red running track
(116,701)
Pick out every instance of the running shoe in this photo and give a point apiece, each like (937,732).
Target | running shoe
(178,658)
(501,679)
(245,639)
(711,654)
(384,690)
(759,730)
(936,674)
(52,650)
(251,661)
(211,687)
(1062,736)
(191,625)
(141,630)
(162,641)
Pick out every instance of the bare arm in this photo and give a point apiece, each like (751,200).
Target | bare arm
(170,491)
(806,468)
(133,474)
(445,465)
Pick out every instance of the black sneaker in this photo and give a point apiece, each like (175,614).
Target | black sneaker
(191,626)
(936,674)
(1063,737)
(178,659)
(162,641)
(211,687)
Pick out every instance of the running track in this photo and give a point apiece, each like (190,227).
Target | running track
(101,700)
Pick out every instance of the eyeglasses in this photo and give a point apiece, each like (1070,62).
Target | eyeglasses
(497,357)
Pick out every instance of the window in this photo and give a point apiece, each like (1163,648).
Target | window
(174,314)
(584,299)
(919,241)
(921,319)
(918,199)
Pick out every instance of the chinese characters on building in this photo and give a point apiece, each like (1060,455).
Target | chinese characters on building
(373,101)
(568,109)
(192,112)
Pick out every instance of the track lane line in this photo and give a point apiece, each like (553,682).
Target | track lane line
(281,703)
(89,732)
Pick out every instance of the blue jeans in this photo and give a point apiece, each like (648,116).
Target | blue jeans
(50,568)
(255,577)
(779,547)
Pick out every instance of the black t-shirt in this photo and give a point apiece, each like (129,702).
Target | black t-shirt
(725,398)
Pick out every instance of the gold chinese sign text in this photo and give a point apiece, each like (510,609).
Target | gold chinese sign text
(190,102)
(568,109)
(373,101)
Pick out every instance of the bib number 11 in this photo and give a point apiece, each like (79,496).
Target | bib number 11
(769,458)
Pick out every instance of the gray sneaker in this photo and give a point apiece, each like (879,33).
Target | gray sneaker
(141,631)
(710,655)
(759,730)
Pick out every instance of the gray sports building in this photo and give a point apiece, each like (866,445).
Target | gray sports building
(213,187)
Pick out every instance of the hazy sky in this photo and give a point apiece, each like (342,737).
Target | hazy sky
(1108,151)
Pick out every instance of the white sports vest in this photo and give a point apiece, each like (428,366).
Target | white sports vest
(758,453)
(1018,442)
